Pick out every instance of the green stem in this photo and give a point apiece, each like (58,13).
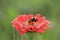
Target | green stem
(14,35)
(22,37)
(30,35)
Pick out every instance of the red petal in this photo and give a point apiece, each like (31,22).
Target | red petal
(16,25)
(37,15)
(29,16)
(23,30)
(30,28)
(41,31)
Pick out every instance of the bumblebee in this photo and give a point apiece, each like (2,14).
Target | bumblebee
(32,20)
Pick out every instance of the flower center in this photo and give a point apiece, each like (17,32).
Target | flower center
(32,20)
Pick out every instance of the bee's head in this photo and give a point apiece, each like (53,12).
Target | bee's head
(32,20)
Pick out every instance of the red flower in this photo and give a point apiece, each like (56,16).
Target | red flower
(31,23)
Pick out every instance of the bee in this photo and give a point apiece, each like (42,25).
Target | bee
(32,20)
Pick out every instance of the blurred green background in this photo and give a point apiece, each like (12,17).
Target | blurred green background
(9,9)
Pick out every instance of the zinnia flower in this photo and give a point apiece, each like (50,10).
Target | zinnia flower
(31,23)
